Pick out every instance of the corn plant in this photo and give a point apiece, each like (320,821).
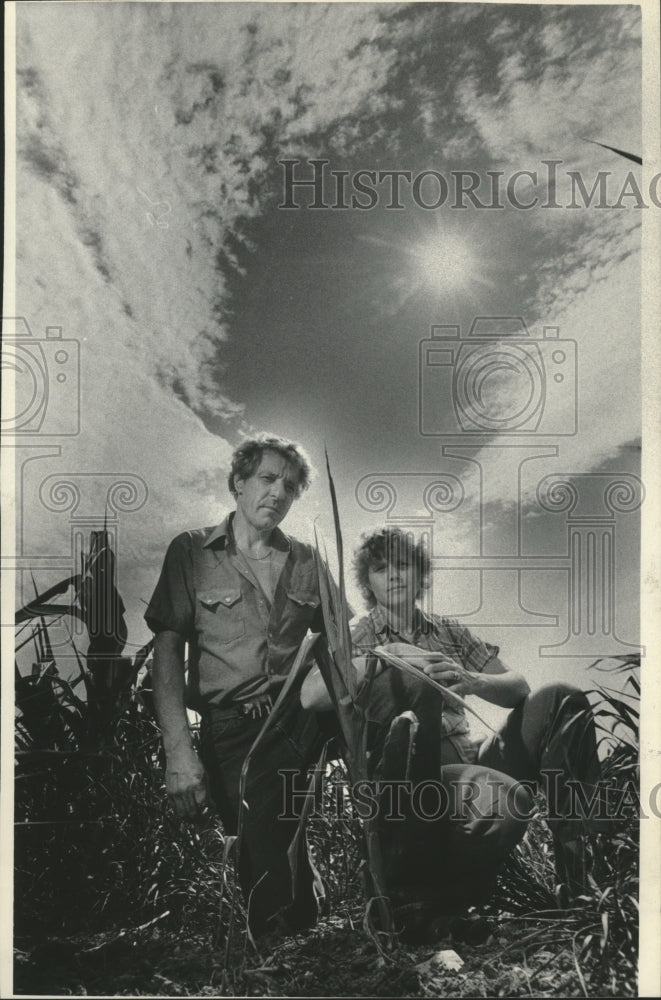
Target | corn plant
(339,674)
(598,933)
(107,676)
(94,838)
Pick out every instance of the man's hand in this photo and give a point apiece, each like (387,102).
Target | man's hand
(186,784)
(185,780)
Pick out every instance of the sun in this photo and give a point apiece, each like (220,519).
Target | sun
(445,262)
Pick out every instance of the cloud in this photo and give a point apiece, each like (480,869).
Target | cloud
(543,83)
(604,323)
(146,135)
(554,83)
(148,139)
(163,144)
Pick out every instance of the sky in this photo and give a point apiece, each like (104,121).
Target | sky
(149,229)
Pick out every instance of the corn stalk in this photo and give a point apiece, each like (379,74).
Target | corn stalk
(50,710)
(301,660)
(339,674)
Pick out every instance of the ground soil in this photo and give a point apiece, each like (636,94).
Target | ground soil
(336,959)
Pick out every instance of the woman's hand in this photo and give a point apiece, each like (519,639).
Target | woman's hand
(452,675)
(495,683)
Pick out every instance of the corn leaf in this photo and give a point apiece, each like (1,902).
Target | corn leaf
(26,612)
(620,152)
(297,850)
(397,661)
(39,610)
(302,657)
(335,662)
(342,607)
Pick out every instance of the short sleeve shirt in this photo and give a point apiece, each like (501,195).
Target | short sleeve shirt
(435,634)
(207,594)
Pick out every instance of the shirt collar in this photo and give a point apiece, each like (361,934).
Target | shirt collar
(382,625)
(279,540)
(379,620)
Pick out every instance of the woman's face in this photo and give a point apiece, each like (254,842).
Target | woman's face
(394,584)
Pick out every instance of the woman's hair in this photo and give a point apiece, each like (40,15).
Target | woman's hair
(247,457)
(389,545)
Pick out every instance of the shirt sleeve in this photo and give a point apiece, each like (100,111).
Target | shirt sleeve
(475,653)
(172,605)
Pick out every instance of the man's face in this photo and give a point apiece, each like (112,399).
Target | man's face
(394,583)
(265,497)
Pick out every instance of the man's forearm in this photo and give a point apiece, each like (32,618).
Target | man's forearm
(314,694)
(169,692)
(185,780)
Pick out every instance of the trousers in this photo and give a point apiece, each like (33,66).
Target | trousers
(454,855)
(264,869)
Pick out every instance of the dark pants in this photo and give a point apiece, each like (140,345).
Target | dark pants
(455,859)
(550,740)
(264,870)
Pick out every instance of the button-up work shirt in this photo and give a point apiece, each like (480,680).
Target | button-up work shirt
(207,594)
(435,634)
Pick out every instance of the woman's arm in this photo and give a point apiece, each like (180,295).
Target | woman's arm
(315,696)
(496,684)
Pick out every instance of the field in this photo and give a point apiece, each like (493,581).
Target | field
(115,897)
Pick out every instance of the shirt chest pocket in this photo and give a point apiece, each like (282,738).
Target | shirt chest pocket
(221,614)
(302,607)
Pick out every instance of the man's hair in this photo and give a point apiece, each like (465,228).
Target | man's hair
(388,545)
(247,458)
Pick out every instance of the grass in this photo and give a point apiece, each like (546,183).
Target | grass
(113,896)
(143,916)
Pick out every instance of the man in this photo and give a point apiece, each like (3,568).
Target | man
(242,595)
(456,860)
